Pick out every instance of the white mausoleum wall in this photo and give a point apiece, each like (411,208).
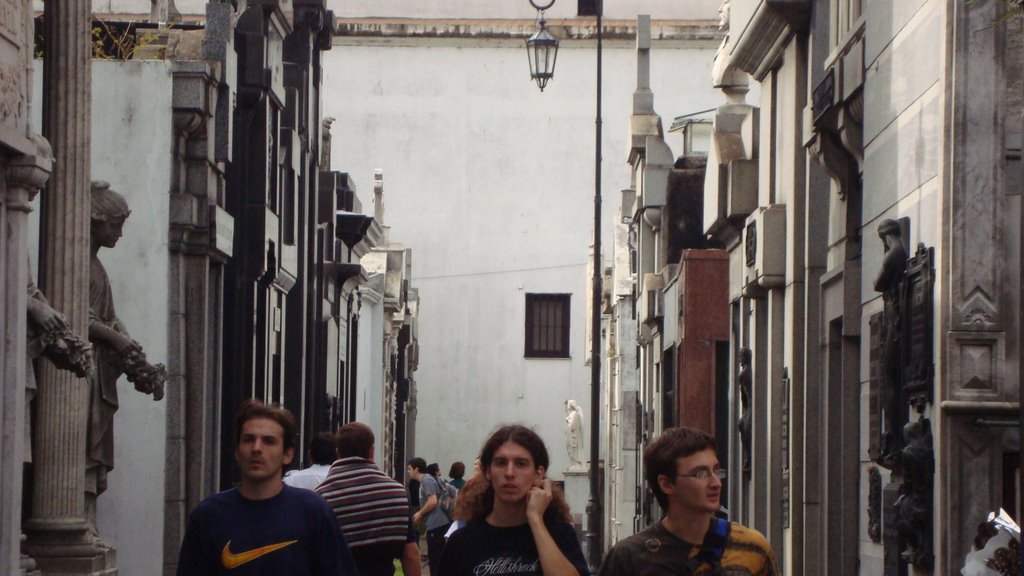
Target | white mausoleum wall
(370,365)
(491,182)
(131,149)
(688,10)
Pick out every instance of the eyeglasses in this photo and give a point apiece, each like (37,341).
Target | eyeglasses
(704,474)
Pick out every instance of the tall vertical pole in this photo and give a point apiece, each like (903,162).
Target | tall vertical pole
(594,539)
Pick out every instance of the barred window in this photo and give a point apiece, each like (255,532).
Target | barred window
(547,325)
(586,8)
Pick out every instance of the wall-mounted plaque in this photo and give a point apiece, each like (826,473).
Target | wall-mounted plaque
(918,368)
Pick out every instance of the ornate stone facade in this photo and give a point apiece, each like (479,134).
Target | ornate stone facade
(900,261)
(251,222)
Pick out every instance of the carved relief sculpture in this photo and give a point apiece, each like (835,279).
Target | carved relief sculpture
(744,378)
(116,352)
(875,504)
(890,284)
(574,436)
(723,16)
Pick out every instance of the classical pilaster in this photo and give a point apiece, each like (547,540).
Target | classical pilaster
(57,527)
(980,380)
(24,175)
(200,241)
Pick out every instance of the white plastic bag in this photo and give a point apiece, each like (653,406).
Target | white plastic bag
(1000,555)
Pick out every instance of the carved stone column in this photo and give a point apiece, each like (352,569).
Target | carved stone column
(56,526)
(25,175)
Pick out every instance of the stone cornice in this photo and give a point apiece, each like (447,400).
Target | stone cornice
(582,28)
(569,30)
(759,46)
(372,291)
(28,173)
(191,90)
(373,237)
(398,31)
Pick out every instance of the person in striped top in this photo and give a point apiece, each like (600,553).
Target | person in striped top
(372,509)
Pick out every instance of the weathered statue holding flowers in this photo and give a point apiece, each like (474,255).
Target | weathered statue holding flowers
(116,352)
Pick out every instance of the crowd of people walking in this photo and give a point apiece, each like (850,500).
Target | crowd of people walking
(344,516)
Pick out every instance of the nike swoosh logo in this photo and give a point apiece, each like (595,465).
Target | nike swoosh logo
(231,561)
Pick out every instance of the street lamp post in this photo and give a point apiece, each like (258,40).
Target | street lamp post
(540,47)
(594,505)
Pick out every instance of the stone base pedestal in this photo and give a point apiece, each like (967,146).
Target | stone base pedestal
(68,551)
(577,493)
(577,490)
(99,562)
(27,566)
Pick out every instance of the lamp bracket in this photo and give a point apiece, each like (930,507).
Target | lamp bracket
(544,7)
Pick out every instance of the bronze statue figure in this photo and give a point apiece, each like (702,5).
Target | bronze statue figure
(913,508)
(890,284)
(744,380)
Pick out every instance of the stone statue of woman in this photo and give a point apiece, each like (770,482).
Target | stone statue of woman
(574,435)
(116,352)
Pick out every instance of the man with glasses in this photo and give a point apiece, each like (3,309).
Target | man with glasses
(681,467)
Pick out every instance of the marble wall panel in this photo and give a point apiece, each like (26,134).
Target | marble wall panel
(737,269)
(902,73)
(904,157)
(883,20)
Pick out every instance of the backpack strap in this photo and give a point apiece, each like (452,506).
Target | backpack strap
(712,549)
(715,539)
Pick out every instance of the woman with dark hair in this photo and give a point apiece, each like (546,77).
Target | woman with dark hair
(434,470)
(457,473)
(519,522)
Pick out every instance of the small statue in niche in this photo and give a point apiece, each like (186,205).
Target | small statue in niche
(116,352)
(890,283)
(913,508)
(574,435)
(744,379)
(325,142)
